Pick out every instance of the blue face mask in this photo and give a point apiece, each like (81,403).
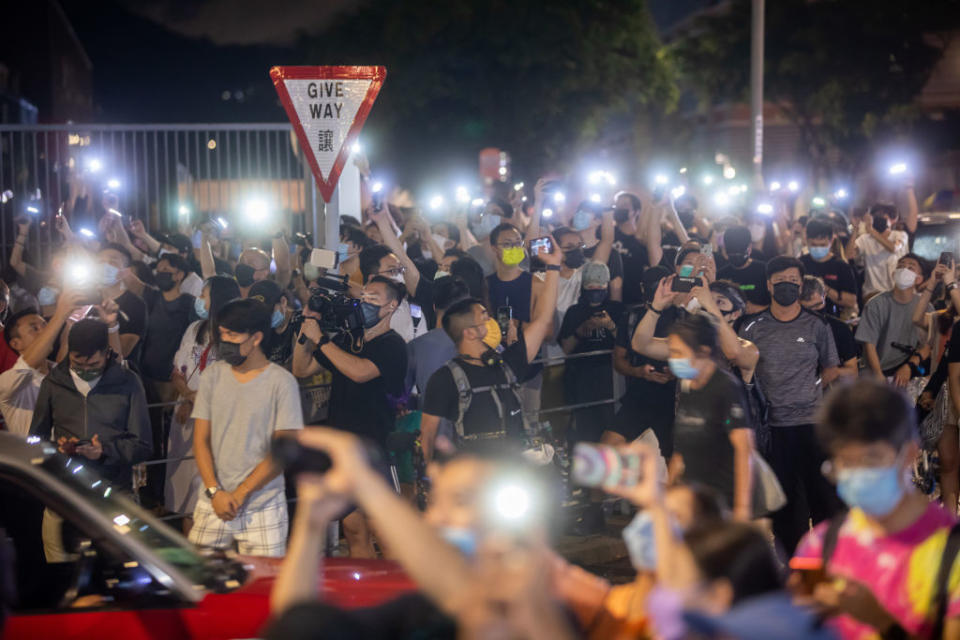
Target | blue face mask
(682,368)
(875,490)
(276,319)
(343,251)
(819,253)
(47,296)
(371,314)
(108,275)
(200,307)
(581,220)
(488,222)
(464,540)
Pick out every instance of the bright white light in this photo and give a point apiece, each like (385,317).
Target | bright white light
(818,202)
(841,194)
(597,177)
(477,202)
(898,168)
(595,197)
(113,183)
(512,502)
(503,171)
(121,520)
(775,186)
(33,439)
(661,179)
(462,194)
(356,576)
(765,208)
(80,273)
(436,202)
(518,186)
(33,210)
(222,222)
(794,186)
(548,213)
(729,173)
(86,232)
(183,210)
(115,212)
(377,187)
(257,210)
(708,180)
(721,199)
(357,147)
(6,196)
(683,170)
(559,197)
(94,165)
(678,192)
(733,190)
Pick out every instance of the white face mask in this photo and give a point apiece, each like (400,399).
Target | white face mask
(756,232)
(904,278)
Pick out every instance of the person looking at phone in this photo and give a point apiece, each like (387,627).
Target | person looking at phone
(880,246)
(837,275)
(813,297)
(892,345)
(496,411)
(887,567)
(797,355)
(742,268)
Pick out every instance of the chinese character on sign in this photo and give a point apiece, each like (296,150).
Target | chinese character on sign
(326,140)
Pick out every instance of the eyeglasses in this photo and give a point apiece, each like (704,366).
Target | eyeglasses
(572,247)
(510,245)
(396,271)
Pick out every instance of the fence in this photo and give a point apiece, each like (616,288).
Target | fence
(154,170)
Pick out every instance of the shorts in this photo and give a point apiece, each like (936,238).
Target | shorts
(257,532)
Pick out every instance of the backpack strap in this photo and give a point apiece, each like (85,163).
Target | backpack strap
(942,585)
(464,393)
(830,537)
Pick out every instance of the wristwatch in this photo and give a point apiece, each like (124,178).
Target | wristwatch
(952,286)
(553,267)
(211,491)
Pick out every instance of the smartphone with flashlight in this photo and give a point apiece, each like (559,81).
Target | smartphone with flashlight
(946,258)
(541,245)
(599,465)
(504,316)
(80,313)
(324,258)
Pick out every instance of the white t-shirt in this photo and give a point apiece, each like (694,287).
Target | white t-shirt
(19,389)
(192,284)
(879,263)
(568,292)
(402,322)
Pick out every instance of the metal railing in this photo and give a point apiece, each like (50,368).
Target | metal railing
(210,168)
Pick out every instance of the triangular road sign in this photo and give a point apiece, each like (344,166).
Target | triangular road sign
(327,107)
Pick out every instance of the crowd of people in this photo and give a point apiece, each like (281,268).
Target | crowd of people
(770,375)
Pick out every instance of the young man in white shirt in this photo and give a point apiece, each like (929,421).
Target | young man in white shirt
(881,247)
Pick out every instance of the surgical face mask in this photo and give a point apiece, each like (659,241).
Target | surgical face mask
(165,281)
(229,352)
(244,273)
(310,272)
(87,374)
(109,275)
(786,293)
(581,220)
(397,277)
(463,540)
(513,256)
(683,368)
(757,232)
(371,314)
(880,223)
(343,252)
(738,259)
(639,538)
(494,336)
(875,490)
(200,308)
(621,215)
(904,278)
(594,296)
(47,296)
(574,258)
(819,253)
(487,223)
(440,274)
(276,318)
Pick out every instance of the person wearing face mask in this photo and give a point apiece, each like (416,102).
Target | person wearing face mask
(887,321)
(284,321)
(813,297)
(181,245)
(763,243)
(254,265)
(352,242)
(590,325)
(118,283)
(750,274)
(195,354)
(366,382)
(892,558)
(836,273)
(797,354)
(880,246)
(597,231)
(243,402)
(637,239)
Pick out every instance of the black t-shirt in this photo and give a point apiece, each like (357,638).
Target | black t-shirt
(598,338)
(614,263)
(752,280)
(701,432)
(410,617)
(367,409)
(836,273)
(847,346)
(166,324)
(589,378)
(133,321)
(442,397)
(279,347)
(635,260)
(625,328)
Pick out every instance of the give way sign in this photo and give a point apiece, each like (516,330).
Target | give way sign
(327,107)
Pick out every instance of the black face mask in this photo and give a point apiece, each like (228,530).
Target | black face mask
(574,258)
(594,296)
(786,293)
(621,215)
(880,223)
(738,259)
(229,352)
(244,273)
(165,280)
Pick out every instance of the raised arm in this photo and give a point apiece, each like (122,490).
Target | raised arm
(16,256)
(651,235)
(643,340)
(281,256)
(208,266)
(137,229)
(542,323)
(411,275)
(739,351)
(605,246)
(913,211)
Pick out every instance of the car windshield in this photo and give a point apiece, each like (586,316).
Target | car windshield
(933,239)
(128,518)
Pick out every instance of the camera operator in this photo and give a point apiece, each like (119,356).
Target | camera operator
(494,409)
(363,379)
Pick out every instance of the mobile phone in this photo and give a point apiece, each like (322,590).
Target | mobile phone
(707,250)
(599,465)
(415,311)
(377,197)
(541,245)
(811,572)
(83,443)
(81,313)
(946,257)
(684,285)
(504,316)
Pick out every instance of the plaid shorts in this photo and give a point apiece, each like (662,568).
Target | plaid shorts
(257,532)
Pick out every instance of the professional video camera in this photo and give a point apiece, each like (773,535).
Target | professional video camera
(338,311)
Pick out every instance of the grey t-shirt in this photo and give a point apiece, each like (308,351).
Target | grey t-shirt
(243,418)
(885,320)
(791,357)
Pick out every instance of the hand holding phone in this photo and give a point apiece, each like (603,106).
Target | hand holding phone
(541,245)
